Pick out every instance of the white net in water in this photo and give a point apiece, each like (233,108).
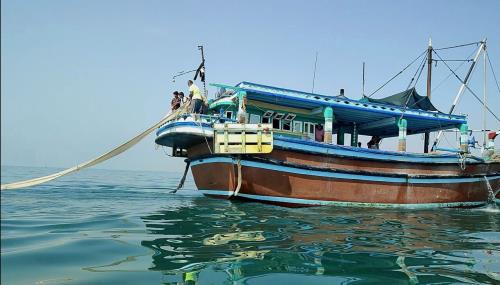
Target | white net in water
(116,151)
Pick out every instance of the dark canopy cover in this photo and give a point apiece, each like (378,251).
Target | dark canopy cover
(409,97)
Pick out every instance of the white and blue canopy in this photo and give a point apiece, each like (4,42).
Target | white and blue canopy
(371,118)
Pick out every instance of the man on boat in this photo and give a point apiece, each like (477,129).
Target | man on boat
(374,142)
(472,140)
(196,98)
(319,134)
(176,101)
(181,96)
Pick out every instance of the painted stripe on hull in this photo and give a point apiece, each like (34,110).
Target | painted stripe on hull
(217,192)
(327,174)
(184,124)
(286,200)
(346,151)
(191,129)
(313,147)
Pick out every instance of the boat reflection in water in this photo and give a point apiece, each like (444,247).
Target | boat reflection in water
(216,243)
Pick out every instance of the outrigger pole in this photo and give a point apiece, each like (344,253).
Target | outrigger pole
(482,47)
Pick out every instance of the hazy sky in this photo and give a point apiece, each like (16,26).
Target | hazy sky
(80,77)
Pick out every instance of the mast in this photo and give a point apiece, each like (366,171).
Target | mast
(202,70)
(363,87)
(462,87)
(429,82)
(484,98)
(314,73)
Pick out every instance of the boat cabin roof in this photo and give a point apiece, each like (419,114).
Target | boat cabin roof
(371,118)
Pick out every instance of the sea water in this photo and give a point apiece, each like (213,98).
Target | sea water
(123,227)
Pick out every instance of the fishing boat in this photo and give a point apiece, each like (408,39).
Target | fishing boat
(288,147)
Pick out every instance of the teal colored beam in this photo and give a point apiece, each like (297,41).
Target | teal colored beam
(227,86)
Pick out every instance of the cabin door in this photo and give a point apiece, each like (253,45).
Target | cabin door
(309,130)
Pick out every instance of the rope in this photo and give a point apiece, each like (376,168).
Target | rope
(457,46)
(183,179)
(383,85)
(466,60)
(211,122)
(112,153)
(470,90)
(491,194)
(420,67)
(449,75)
(203,133)
(493,71)
(461,160)
(238,186)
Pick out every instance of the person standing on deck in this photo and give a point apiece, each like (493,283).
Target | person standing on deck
(374,143)
(176,101)
(196,98)
(181,96)
(319,134)
(471,141)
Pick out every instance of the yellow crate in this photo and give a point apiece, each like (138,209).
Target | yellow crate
(243,138)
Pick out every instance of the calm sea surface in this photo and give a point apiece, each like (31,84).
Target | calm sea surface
(123,227)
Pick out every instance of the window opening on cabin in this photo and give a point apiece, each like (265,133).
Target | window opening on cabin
(279,116)
(286,125)
(266,118)
(276,123)
(254,119)
(229,114)
(277,120)
(297,126)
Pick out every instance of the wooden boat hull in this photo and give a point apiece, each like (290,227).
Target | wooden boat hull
(291,178)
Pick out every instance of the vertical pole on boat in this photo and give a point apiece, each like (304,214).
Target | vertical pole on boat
(464,144)
(314,73)
(203,66)
(462,87)
(328,114)
(402,125)
(341,135)
(484,98)
(363,85)
(242,112)
(354,135)
(429,82)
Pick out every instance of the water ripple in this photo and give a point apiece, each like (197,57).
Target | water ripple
(123,227)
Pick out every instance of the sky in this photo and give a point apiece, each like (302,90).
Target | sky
(81,77)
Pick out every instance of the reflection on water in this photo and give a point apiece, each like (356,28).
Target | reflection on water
(255,243)
(113,227)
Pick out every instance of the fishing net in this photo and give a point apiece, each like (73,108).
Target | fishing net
(112,153)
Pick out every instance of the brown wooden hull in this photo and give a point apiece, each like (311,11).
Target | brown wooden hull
(298,179)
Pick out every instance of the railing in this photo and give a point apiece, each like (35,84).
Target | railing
(199,118)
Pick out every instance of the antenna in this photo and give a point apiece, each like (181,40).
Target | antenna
(484,97)
(363,86)
(314,73)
